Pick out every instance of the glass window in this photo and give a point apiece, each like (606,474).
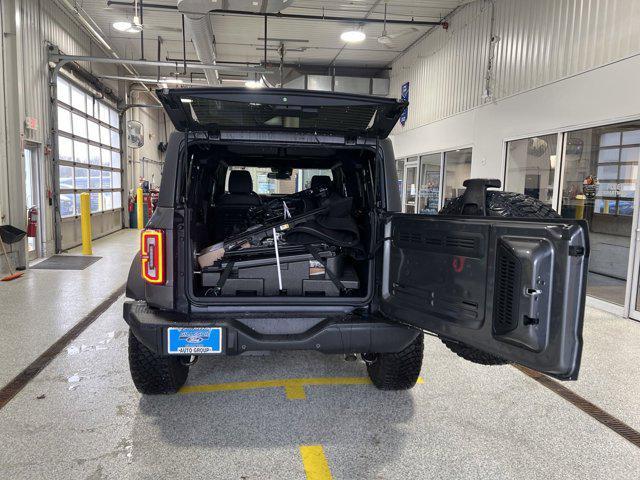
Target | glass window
(113,118)
(105,136)
(67,207)
(609,139)
(631,137)
(79,126)
(531,166)
(115,160)
(66,177)
(104,112)
(115,139)
(94,131)
(80,152)
(400,174)
(429,184)
(457,168)
(94,155)
(82,178)
(77,197)
(105,176)
(78,100)
(106,157)
(64,120)
(95,201)
(63,91)
(599,182)
(94,181)
(65,149)
(107,202)
(411,185)
(630,154)
(300,180)
(90,103)
(117,200)
(106,179)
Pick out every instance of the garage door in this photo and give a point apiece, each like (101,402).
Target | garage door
(89,160)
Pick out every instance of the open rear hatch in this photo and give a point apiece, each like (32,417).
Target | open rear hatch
(240,109)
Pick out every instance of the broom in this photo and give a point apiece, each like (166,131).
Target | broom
(13,275)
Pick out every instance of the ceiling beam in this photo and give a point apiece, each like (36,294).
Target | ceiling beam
(292,16)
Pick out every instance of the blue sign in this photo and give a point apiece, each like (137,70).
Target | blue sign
(404,96)
(194,341)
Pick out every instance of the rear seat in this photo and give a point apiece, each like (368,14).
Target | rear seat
(230,213)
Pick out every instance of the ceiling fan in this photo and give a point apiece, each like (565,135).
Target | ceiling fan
(387,39)
(136,24)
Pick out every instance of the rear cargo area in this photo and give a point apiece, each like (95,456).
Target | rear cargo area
(285,222)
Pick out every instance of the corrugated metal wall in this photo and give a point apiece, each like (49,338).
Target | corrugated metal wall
(538,42)
(44,24)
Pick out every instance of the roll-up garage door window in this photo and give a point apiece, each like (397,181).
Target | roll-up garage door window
(89,156)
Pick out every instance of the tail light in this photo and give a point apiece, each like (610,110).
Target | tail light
(152,255)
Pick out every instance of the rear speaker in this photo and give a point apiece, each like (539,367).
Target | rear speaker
(506,299)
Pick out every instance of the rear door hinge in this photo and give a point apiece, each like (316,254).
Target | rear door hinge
(575,251)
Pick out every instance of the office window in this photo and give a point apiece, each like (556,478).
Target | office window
(457,169)
(88,151)
(429,184)
(531,166)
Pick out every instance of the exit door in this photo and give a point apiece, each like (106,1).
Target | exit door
(32,198)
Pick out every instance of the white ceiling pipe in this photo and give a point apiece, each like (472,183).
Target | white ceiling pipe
(199,26)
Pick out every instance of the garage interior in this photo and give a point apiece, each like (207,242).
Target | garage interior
(541,94)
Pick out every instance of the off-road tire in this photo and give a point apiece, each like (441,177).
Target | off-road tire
(153,374)
(397,371)
(499,204)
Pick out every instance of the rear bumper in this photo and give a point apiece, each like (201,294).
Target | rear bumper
(331,334)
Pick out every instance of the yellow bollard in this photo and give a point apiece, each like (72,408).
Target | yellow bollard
(580,206)
(140,208)
(85,223)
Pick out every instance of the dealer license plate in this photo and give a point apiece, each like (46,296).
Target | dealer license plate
(194,341)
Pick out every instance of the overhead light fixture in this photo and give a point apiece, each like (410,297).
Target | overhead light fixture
(186,100)
(127,27)
(353,36)
(122,26)
(253,84)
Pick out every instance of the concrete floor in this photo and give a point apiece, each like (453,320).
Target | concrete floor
(41,306)
(464,421)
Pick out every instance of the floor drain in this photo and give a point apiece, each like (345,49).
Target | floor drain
(585,405)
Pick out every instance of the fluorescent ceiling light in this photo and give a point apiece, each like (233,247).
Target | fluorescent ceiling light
(186,100)
(253,84)
(172,80)
(122,26)
(352,36)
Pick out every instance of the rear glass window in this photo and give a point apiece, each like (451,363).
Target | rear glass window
(263,185)
(243,115)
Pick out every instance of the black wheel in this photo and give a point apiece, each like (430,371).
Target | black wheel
(499,204)
(396,371)
(153,374)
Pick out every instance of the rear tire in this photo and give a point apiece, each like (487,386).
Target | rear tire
(397,371)
(153,374)
(499,204)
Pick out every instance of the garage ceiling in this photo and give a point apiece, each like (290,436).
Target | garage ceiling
(311,43)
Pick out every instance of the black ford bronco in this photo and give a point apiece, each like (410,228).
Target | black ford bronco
(278,227)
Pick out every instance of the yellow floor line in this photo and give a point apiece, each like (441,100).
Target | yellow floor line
(315,463)
(293,387)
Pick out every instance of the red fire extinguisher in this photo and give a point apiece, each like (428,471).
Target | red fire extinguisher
(32,222)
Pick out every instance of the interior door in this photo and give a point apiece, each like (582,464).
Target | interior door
(509,287)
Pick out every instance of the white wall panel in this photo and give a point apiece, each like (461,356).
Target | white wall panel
(539,42)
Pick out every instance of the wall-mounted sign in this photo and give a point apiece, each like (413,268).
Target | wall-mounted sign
(404,96)
(135,134)
(31,123)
